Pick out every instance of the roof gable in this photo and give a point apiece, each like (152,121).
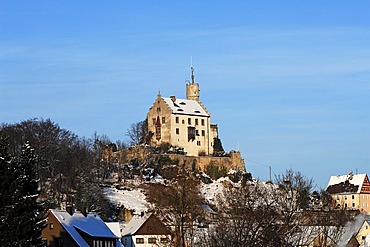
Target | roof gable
(366,186)
(153,226)
(145,225)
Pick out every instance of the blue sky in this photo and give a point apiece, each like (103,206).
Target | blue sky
(288,82)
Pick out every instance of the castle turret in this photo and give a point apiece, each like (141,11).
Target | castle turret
(192,88)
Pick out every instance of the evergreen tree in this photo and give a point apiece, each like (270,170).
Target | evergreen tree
(27,211)
(20,224)
(7,176)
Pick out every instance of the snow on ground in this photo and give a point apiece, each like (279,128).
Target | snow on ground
(130,199)
(213,190)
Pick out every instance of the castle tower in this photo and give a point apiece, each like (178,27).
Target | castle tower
(192,88)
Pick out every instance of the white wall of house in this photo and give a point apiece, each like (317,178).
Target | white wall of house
(147,241)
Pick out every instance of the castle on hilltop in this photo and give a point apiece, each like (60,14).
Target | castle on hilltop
(183,123)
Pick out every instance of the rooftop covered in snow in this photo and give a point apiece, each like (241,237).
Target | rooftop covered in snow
(187,107)
(91,224)
(346,183)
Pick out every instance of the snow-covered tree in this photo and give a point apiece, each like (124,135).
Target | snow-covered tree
(21,213)
(27,211)
(7,176)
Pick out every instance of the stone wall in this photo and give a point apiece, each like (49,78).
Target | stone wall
(235,161)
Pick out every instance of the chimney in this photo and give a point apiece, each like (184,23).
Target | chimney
(69,209)
(84,211)
(173,98)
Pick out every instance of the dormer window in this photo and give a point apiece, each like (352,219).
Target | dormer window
(196,111)
(182,103)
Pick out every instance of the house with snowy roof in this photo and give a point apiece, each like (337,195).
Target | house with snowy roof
(350,191)
(183,123)
(77,229)
(146,231)
(352,234)
(363,234)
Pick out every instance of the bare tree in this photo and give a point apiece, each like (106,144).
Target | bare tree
(293,197)
(248,217)
(178,203)
(138,133)
(261,214)
(66,163)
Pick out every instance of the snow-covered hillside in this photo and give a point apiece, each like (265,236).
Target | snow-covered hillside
(133,199)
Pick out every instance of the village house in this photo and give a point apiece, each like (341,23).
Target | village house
(77,229)
(363,235)
(350,191)
(183,123)
(146,231)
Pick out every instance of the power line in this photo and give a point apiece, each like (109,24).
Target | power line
(261,164)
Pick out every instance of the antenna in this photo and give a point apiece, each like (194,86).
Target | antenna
(270,173)
(192,75)
(192,69)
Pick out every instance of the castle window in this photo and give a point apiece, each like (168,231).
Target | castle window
(177,119)
(158,129)
(202,121)
(353,196)
(154,121)
(158,109)
(198,143)
(183,121)
(177,131)
(353,204)
(163,120)
(203,133)
(158,133)
(196,121)
(345,197)
(191,133)
(189,120)
(345,205)
(197,132)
